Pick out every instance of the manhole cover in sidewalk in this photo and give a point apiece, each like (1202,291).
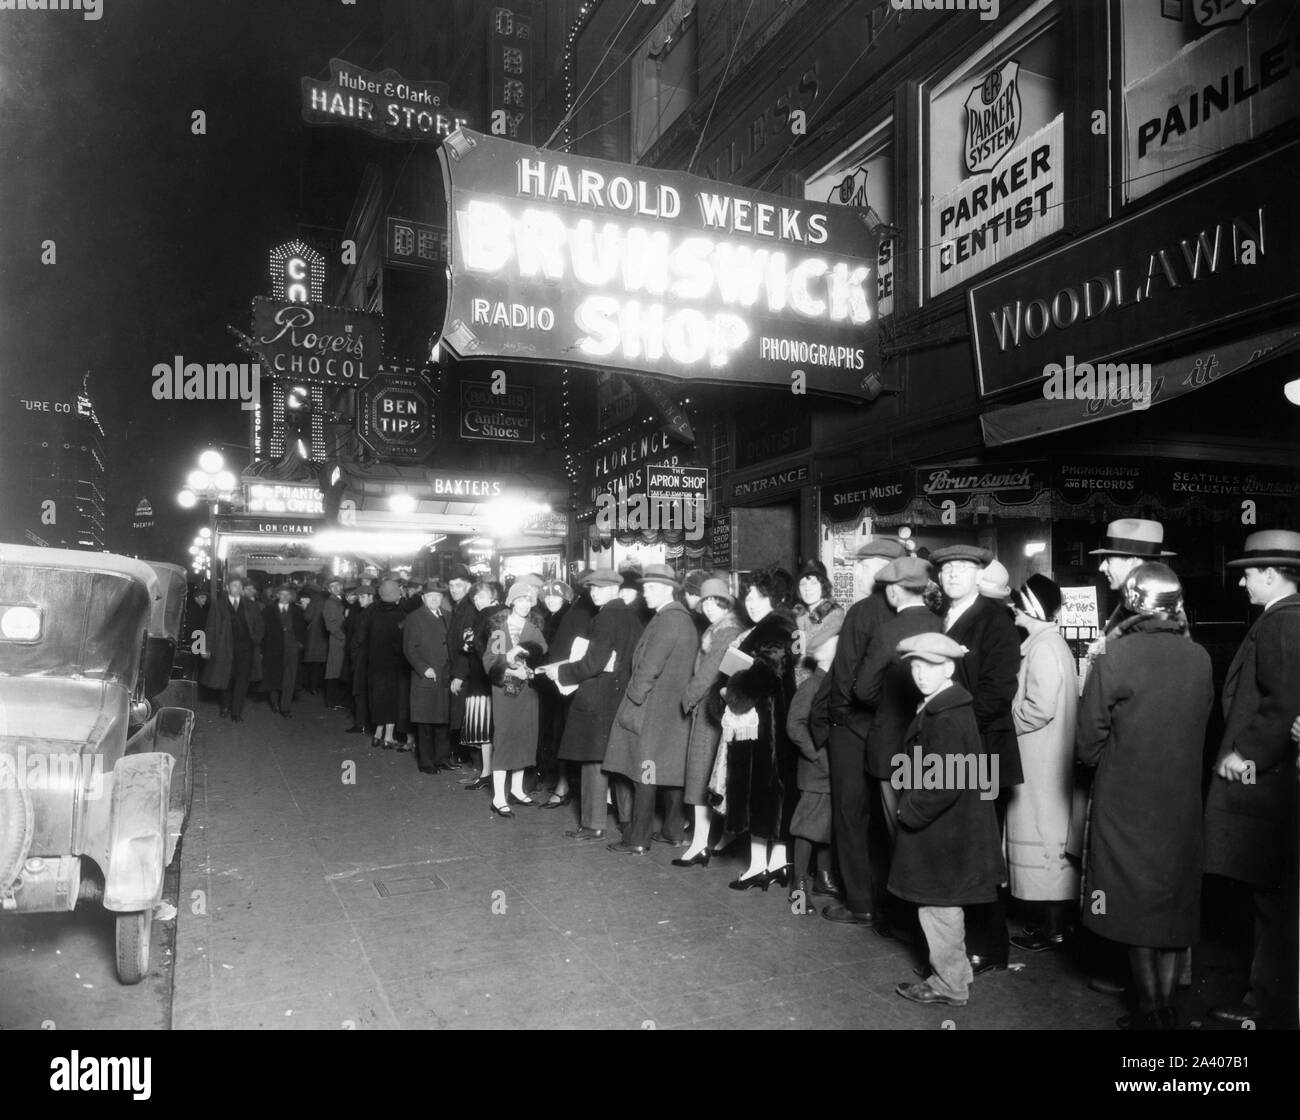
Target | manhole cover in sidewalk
(386,888)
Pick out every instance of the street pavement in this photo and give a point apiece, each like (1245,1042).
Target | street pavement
(327,884)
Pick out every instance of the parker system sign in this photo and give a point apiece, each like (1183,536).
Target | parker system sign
(574,261)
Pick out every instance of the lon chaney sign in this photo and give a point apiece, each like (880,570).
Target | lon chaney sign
(574,261)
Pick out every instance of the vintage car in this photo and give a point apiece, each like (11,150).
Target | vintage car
(95,774)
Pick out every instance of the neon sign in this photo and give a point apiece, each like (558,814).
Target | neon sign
(570,260)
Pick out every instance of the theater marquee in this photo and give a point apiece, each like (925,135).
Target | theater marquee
(573,261)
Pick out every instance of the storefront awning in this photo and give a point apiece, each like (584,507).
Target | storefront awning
(1169,381)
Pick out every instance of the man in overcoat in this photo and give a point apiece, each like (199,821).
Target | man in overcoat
(601,676)
(358,639)
(233,633)
(648,742)
(424,642)
(1251,810)
(333,614)
(862,864)
(286,634)
(990,672)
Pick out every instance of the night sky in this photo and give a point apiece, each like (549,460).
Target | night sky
(161,234)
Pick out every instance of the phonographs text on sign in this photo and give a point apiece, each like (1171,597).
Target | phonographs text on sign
(576,261)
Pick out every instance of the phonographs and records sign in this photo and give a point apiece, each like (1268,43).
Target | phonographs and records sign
(313,342)
(395,416)
(508,417)
(383,104)
(569,260)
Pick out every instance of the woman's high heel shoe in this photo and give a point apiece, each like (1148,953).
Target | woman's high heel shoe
(762,879)
(700,859)
(781,876)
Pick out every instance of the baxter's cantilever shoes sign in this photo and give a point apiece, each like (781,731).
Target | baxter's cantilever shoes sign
(573,261)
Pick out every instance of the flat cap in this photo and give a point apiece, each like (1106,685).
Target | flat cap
(976,555)
(888,548)
(934,648)
(908,571)
(602,577)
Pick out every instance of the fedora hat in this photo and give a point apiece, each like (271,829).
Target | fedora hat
(660,573)
(1270,548)
(1132,536)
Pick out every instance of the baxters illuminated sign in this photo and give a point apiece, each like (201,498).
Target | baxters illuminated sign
(569,260)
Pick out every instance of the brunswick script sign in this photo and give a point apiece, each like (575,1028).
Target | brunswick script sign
(563,259)
(383,104)
(313,342)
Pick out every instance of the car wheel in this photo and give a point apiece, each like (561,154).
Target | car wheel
(15,821)
(133,933)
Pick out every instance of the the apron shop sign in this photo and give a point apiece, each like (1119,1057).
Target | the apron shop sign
(568,260)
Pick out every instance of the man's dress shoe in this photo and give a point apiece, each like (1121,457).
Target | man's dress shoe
(585,833)
(623,848)
(838,913)
(923,993)
(980,965)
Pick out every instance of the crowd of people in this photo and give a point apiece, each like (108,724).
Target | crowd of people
(918,759)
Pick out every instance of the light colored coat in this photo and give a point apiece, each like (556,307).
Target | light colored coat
(1038,812)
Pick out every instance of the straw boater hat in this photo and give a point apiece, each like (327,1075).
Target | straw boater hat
(1270,548)
(1131,536)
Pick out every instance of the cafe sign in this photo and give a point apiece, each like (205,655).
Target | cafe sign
(313,342)
(568,260)
(1211,254)
(383,104)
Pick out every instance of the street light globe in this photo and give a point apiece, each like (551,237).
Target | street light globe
(186,499)
(225,480)
(205,532)
(402,503)
(211,461)
(196,480)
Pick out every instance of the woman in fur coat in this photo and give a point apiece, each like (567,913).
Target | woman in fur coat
(761,762)
(514,650)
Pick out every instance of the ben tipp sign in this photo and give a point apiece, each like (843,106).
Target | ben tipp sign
(568,260)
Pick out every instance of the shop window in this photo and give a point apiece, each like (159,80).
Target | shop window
(1201,76)
(863,177)
(995,138)
(664,71)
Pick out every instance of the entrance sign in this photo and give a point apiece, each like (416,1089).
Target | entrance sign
(568,260)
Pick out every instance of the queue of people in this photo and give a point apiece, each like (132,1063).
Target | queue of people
(913,761)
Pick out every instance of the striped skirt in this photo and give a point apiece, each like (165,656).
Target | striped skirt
(476,731)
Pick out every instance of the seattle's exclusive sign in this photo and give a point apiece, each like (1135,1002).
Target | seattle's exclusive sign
(312,342)
(383,104)
(507,417)
(569,260)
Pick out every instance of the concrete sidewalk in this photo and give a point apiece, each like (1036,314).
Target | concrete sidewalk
(402,901)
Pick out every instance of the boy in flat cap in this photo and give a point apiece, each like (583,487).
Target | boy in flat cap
(947,853)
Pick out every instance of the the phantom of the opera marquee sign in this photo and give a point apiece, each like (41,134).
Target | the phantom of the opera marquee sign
(575,261)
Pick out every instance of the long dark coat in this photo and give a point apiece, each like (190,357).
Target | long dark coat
(358,629)
(332,614)
(460,652)
(861,623)
(650,733)
(1250,829)
(616,629)
(317,645)
(219,634)
(424,643)
(515,723)
(884,686)
(761,773)
(702,700)
(990,672)
(947,851)
(387,673)
(1141,722)
(273,651)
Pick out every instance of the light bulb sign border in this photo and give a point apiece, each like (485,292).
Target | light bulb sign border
(575,261)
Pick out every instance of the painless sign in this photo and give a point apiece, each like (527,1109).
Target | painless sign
(383,104)
(568,260)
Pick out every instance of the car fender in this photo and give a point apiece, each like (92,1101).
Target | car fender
(134,858)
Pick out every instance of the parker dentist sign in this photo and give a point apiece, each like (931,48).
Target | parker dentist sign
(563,259)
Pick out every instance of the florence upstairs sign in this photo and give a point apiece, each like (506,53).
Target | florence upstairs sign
(383,104)
(569,260)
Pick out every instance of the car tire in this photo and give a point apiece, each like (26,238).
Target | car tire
(134,930)
(15,821)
